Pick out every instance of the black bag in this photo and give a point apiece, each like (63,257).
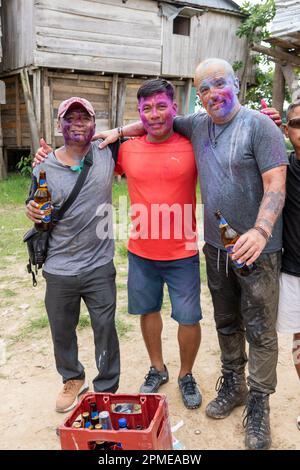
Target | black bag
(37,246)
(37,241)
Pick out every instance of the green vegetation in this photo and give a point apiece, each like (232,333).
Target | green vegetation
(84,321)
(33,326)
(24,165)
(121,249)
(14,190)
(122,326)
(255,27)
(258,16)
(13,221)
(7,293)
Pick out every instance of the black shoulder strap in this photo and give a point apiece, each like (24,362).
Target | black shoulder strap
(88,162)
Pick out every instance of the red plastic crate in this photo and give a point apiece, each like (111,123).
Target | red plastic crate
(154,418)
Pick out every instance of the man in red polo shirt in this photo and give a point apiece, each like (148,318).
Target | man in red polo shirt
(162,176)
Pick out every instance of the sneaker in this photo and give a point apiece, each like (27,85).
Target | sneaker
(232,391)
(257,421)
(68,397)
(190,393)
(153,380)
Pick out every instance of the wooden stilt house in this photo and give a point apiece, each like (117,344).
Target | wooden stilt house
(103,50)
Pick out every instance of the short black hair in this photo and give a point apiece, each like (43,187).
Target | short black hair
(154,86)
(291,108)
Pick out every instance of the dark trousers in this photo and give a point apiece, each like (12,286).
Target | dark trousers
(63,296)
(246,308)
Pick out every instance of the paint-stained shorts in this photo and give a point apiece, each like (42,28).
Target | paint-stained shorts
(288,320)
(146,279)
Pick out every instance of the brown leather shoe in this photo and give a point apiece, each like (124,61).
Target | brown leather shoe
(68,396)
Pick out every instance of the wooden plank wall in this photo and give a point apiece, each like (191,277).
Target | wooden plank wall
(18,34)
(96,89)
(15,125)
(212,34)
(218,38)
(56,87)
(0,34)
(99,35)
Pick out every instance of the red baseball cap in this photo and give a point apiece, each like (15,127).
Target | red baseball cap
(65,105)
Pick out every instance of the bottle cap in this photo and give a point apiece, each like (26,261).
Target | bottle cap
(122,422)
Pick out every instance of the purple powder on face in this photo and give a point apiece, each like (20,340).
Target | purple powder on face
(77,131)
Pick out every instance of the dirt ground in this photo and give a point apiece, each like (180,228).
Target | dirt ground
(29,382)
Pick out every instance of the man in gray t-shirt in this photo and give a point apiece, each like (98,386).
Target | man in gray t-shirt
(241,162)
(79,262)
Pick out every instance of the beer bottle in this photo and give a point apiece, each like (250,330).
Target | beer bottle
(95,419)
(85,418)
(76,425)
(229,237)
(42,197)
(104,420)
(93,409)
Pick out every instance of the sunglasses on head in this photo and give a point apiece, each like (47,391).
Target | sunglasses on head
(294,123)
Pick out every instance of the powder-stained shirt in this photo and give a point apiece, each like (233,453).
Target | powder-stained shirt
(83,239)
(231,159)
(162,181)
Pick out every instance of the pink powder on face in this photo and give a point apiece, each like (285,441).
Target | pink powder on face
(157,113)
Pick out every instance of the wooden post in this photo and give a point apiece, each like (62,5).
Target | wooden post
(47,109)
(291,80)
(278,89)
(37,96)
(34,131)
(178,100)
(277,53)
(18,113)
(114,98)
(244,78)
(188,90)
(3,163)
(121,102)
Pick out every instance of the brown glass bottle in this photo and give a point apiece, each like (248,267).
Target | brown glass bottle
(85,417)
(76,425)
(229,237)
(42,197)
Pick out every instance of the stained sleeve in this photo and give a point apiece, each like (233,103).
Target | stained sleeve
(185,125)
(268,144)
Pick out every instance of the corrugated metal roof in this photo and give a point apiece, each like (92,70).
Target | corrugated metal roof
(285,28)
(228,5)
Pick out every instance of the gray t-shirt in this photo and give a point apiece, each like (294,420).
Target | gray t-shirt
(231,159)
(82,240)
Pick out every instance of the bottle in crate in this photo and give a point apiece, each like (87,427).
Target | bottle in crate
(104,420)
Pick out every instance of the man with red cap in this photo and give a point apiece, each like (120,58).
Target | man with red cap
(79,262)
